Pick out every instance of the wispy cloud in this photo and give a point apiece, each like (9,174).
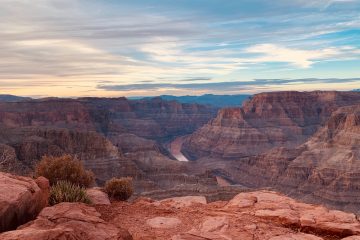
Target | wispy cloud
(67,43)
(297,57)
(227,86)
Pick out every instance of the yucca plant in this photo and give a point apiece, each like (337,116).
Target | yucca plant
(64,191)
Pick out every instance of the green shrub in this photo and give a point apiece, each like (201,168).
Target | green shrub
(64,191)
(64,168)
(119,188)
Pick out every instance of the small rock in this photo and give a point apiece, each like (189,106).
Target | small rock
(296,236)
(180,202)
(97,196)
(250,227)
(242,200)
(215,224)
(163,222)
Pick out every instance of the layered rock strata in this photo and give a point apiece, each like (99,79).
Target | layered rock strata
(268,120)
(113,137)
(325,169)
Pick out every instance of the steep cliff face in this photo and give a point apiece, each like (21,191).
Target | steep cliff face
(268,120)
(330,162)
(22,148)
(325,169)
(113,137)
(153,118)
(48,112)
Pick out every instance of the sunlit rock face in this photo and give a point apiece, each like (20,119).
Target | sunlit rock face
(325,169)
(303,144)
(268,120)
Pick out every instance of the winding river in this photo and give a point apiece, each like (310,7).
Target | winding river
(175,150)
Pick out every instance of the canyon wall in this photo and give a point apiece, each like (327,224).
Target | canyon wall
(308,150)
(266,121)
(113,137)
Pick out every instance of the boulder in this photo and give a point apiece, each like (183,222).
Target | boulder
(21,199)
(97,196)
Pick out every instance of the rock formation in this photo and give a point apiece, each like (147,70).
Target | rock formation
(266,121)
(67,221)
(251,215)
(21,199)
(325,169)
(303,144)
(153,118)
(113,137)
(23,147)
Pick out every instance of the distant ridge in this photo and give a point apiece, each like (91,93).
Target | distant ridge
(12,98)
(209,99)
(356,90)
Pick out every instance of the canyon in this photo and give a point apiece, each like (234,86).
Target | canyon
(304,144)
(113,137)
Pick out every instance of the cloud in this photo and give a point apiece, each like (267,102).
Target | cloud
(226,86)
(324,4)
(86,44)
(296,57)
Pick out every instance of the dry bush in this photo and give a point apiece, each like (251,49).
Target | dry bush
(64,191)
(64,168)
(119,188)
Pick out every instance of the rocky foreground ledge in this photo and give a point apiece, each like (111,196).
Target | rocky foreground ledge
(250,215)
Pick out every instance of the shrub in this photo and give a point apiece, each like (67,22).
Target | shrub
(66,168)
(119,188)
(64,191)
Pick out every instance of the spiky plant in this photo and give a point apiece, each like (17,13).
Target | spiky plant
(64,191)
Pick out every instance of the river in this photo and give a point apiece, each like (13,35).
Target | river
(175,150)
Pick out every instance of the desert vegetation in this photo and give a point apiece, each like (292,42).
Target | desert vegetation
(64,191)
(64,168)
(119,188)
(68,178)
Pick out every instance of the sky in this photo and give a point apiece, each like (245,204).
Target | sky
(110,48)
